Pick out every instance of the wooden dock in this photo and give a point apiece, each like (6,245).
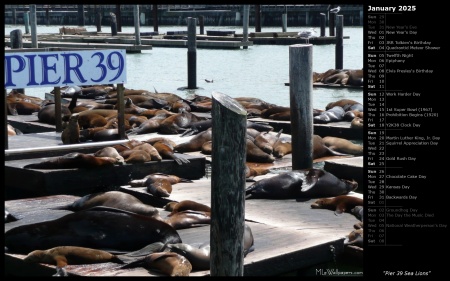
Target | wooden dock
(288,234)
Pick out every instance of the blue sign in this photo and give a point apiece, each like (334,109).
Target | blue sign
(67,68)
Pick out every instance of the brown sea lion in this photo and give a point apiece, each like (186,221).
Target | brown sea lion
(110,151)
(173,179)
(136,156)
(340,77)
(355,77)
(338,204)
(71,131)
(168,263)
(282,147)
(255,154)
(266,141)
(321,150)
(158,187)
(343,145)
(274,110)
(188,219)
(47,113)
(341,103)
(195,143)
(207,148)
(99,228)
(73,255)
(357,123)
(188,205)
(166,150)
(355,238)
(95,117)
(304,183)
(113,199)
(22,107)
(148,126)
(150,149)
(73,160)
(178,123)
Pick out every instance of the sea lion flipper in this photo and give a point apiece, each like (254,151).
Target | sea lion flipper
(61,272)
(338,212)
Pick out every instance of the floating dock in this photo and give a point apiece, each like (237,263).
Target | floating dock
(288,234)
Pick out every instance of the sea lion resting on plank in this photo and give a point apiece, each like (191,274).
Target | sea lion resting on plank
(102,228)
(74,160)
(338,204)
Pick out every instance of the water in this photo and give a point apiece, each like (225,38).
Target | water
(260,71)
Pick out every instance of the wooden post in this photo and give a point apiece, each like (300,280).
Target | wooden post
(33,24)
(47,16)
(119,18)
(323,20)
(192,53)
(80,15)
(245,24)
(331,20)
(14,14)
(137,31)
(202,25)
(237,19)
(229,122)
(300,89)
(257,18)
(98,18)
(113,22)
(284,22)
(121,112)
(339,42)
(16,39)
(58,115)
(155,17)
(26,22)
(6,121)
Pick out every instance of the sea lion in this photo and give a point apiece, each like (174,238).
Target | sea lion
(343,145)
(113,199)
(195,143)
(260,126)
(256,154)
(355,77)
(150,149)
(148,126)
(357,123)
(357,211)
(110,151)
(338,204)
(99,228)
(340,77)
(355,238)
(71,131)
(171,178)
(334,114)
(73,255)
(199,256)
(47,113)
(188,205)
(95,117)
(21,107)
(178,123)
(188,219)
(197,127)
(106,135)
(207,148)
(159,187)
(74,160)
(13,131)
(304,183)
(168,263)
(166,150)
(266,141)
(282,147)
(341,103)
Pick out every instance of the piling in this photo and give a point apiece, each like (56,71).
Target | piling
(98,18)
(323,20)
(331,21)
(245,25)
(16,39)
(136,25)
(339,58)
(192,53)
(257,18)
(121,112)
(119,18)
(6,121)
(80,15)
(33,23)
(284,22)
(26,22)
(14,15)
(229,122)
(47,16)
(155,17)
(202,24)
(113,22)
(58,115)
(300,90)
